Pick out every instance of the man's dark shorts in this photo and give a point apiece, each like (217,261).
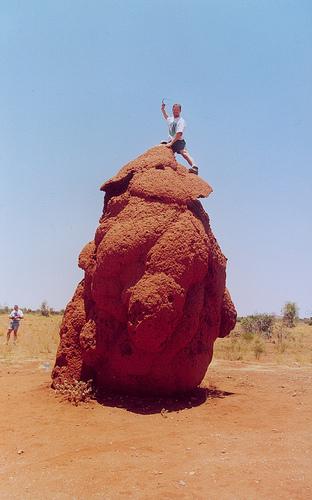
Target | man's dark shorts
(14,325)
(178,146)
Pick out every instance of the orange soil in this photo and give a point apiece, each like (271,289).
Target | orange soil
(250,439)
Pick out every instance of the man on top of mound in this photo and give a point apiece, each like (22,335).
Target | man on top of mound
(176,142)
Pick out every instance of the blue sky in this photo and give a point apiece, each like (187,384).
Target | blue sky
(80,91)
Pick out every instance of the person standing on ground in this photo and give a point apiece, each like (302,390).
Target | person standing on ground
(176,125)
(15,317)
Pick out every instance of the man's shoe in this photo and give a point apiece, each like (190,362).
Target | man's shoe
(164,142)
(193,170)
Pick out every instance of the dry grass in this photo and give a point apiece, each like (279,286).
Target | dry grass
(38,338)
(287,345)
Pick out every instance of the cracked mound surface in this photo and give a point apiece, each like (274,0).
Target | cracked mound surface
(153,298)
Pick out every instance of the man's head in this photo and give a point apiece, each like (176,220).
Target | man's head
(176,110)
(16,307)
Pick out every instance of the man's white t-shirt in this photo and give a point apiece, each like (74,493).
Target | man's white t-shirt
(16,315)
(175,125)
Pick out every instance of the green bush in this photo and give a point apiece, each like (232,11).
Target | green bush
(44,309)
(258,323)
(290,314)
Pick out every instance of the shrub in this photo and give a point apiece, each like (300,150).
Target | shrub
(258,348)
(233,350)
(282,335)
(44,309)
(247,336)
(258,323)
(247,324)
(77,391)
(290,314)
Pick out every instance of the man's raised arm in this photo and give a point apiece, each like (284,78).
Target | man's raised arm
(163,105)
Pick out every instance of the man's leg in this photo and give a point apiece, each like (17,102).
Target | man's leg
(187,157)
(8,335)
(15,335)
(190,161)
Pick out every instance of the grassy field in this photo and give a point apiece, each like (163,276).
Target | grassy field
(38,338)
(286,346)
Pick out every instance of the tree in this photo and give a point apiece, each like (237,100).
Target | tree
(290,314)
(44,308)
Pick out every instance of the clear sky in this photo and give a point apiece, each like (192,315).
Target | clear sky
(80,90)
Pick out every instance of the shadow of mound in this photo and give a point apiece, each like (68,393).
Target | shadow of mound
(144,405)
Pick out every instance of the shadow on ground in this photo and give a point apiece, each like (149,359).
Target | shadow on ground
(163,405)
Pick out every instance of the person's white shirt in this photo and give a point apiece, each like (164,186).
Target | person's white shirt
(16,315)
(176,125)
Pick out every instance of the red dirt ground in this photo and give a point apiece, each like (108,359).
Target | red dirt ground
(250,439)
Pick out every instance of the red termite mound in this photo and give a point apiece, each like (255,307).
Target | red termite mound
(153,299)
